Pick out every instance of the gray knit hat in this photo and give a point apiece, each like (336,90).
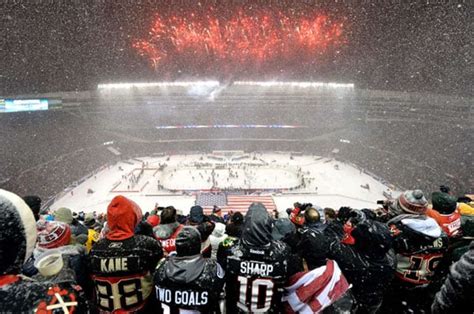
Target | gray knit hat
(410,202)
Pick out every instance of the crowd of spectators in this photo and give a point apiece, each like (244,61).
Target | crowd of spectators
(408,255)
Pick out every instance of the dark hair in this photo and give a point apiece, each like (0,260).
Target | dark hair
(330,213)
(168,215)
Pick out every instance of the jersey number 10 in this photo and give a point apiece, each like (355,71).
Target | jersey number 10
(255,294)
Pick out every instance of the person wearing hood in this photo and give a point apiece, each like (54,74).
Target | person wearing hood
(257,267)
(420,245)
(216,237)
(121,265)
(64,214)
(168,229)
(187,281)
(20,294)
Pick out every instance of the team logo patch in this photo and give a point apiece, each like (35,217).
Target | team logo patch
(61,300)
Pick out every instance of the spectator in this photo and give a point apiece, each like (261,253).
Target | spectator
(205,227)
(256,257)
(216,237)
(234,227)
(93,229)
(455,295)
(312,220)
(64,214)
(216,215)
(168,229)
(329,215)
(446,214)
(366,259)
(420,245)
(192,282)
(123,259)
(313,244)
(17,239)
(55,237)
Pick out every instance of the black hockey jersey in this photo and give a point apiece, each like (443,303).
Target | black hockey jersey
(20,294)
(256,266)
(121,265)
(420,244)
(186,281)
(122,272)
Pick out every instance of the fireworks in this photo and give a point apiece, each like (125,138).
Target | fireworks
(244,38)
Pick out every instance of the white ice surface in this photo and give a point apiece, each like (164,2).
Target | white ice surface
(329,183)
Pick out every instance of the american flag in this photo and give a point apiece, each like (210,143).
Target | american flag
(312,291)
(241,203)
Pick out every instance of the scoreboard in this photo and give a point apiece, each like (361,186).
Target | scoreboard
(15,105)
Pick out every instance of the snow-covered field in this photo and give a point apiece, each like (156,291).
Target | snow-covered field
(176,179)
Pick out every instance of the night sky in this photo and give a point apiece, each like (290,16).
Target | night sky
(390,45)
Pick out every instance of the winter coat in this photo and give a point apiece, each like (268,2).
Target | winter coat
(186,280)
(455,295)
(216,237)
(450,223)
(19,294)
(313,247)
(368,263)
(75,261)
(123,261)
(256,265)
(420,245)
(166,234)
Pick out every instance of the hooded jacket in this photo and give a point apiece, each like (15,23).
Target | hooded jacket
(216,237)
(122,259)
(257,263)
(17,240)
(123,215)
(186,280)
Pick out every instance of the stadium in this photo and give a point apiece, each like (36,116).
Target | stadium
(236,157)
(390,135)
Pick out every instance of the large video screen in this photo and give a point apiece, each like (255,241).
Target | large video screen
(15,105)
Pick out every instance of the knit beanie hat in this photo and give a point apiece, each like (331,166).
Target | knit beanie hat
(411,202)
(53,234)
(153,220)
(196,214)
(63,214)
(443,202)
(17,233)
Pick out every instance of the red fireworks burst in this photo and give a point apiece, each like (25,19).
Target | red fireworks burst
(243,38)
